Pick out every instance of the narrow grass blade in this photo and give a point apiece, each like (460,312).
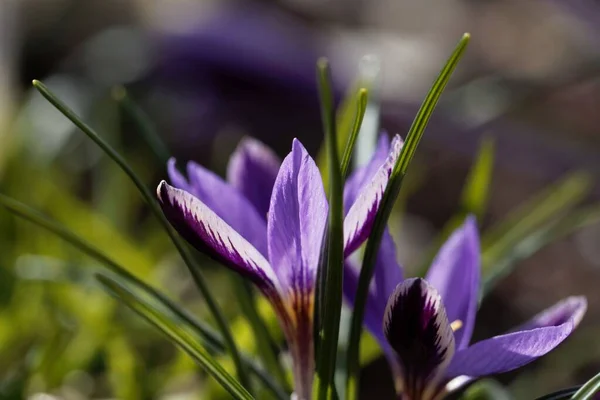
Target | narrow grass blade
(361,107)
(346,118)
(211,339)
(177,335)
(143,122)
(389,197)
(563,394)
(243,292)
(265,344)
(476,191)
(588,390)
(332,276)
(542,207)
(500,240)
(150,199)
(498,266)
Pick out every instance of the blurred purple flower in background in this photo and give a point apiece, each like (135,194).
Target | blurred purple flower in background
(250,67)
(428,323)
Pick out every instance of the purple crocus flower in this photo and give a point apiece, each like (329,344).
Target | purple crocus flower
(428,323)
(273,237)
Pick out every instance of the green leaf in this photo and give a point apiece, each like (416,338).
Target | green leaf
(211,340)
(265,344)
(475,193)
(361,107)
(145,126)
(345,120)
(486,389)
(192,266)
(588,390)
(332,275)
(389,197)
(177,335)
(562,394)
(243,291)
(530,227)
(530,244)
(542,207)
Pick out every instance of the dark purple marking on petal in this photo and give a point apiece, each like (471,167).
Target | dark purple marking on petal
(252,170)
(229,204)
(363,175)
(360,217)
(417,328)
(208,233)
(507,352)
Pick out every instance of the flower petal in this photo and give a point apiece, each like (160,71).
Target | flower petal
(176,178)
(252,171)
(200,226)
(455,273)
(363,175)
(573,307)
(360,217)
(296,221)
(387,275)
(507,352)
(418,330)
(229,204)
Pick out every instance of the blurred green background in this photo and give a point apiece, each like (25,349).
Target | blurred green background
(515,140)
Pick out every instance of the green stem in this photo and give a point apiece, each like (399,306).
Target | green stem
(333,275)
(149,198)
(361,107)
(143,122)
(211,339)
(389,197)
(265,344)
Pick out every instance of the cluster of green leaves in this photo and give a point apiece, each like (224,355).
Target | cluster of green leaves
(546,218)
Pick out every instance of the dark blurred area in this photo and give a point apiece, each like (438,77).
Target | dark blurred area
(210,72)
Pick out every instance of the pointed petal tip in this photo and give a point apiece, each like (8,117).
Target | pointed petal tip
(527,343)
(160,189)
(572,309)
(397,140)
(417,328)
(250,144)
(297,146)
(579,304)
(471,221)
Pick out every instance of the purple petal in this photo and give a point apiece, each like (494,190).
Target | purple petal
(573,307)
(417,328)
(252,170)
(507,352)
(360,217)
(455,273)
(229,204)
(387,275)
(200,226)
(363,175)
(176,178)
(296,221)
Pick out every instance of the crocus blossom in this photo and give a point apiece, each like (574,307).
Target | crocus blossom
(428,323)
(277,249)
